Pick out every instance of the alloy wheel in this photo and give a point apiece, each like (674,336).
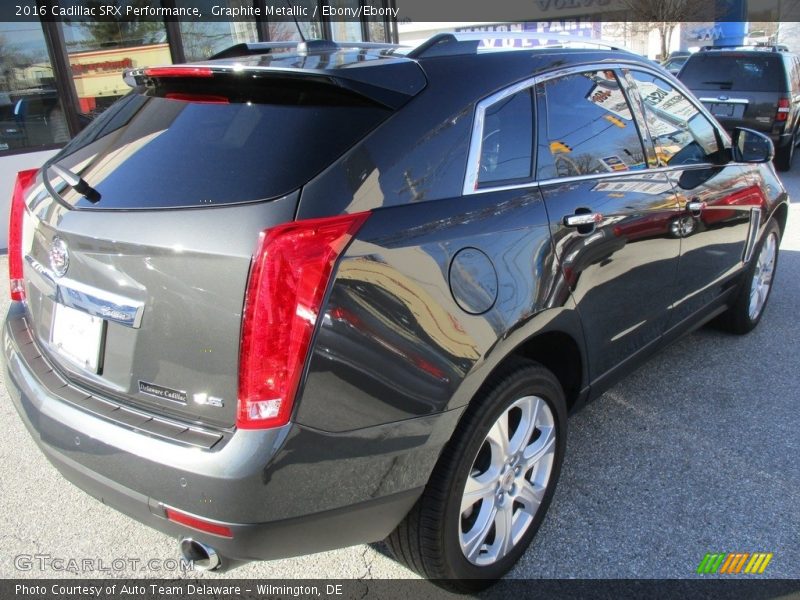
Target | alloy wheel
(507,481)
(762,275)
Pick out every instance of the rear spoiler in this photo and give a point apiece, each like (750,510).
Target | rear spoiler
(390,82)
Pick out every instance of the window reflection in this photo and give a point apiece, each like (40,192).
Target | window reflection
(31,113)
(204,39)
(287,31)
(588,127)
(682,134)
(346,31)
(99,52)
(506,145)
(376,28)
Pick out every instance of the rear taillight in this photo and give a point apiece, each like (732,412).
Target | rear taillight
(783,109)
(15,224)
(288,278)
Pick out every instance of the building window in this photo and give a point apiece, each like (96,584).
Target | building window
(376,28)
(100,51)
(31,112)
(287,31)
(346,31)
(202,39)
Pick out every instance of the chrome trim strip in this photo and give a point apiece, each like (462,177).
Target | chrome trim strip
(476,140)
(478,36)
(473,158)
(644,173)
(89,299)
(752,235)
(726,101)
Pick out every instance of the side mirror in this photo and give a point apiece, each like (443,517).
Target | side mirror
(751,146)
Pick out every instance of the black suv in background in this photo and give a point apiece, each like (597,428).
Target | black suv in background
(297,299)
(750,86)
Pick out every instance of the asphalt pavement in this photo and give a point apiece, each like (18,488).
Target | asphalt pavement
(697,451)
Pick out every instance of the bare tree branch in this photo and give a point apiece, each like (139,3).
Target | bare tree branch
(665,15)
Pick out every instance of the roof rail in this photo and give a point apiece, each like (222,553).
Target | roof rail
(762,47)
(249,48)
(467,42)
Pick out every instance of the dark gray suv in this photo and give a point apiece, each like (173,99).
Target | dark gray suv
(292,300)
(750,86)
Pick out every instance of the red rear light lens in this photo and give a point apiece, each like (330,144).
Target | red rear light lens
(197,98)
(288,278)
(179,71)
(15,223)
(199,524)
(783,109)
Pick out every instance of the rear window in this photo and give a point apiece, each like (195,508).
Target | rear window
(752,72)
(188,147)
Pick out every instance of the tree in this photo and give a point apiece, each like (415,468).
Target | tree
(665,15)
(113,31)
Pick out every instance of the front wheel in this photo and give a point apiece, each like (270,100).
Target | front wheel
(748,307)
(492,485)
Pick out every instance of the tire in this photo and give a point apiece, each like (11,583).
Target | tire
(429,540)
(785,154)
(747,309)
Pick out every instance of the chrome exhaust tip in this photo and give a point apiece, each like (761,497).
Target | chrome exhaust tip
(204,558)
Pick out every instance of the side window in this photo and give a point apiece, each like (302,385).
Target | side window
(507,140)
(681,133)
(585,127)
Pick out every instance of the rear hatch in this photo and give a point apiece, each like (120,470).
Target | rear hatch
(741,89)
(135,284)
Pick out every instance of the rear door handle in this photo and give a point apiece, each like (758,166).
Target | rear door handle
(582,219)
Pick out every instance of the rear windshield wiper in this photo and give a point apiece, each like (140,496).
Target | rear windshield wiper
(77,183)
(721,83)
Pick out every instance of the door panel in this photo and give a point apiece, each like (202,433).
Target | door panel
(621,272)
(620,264)
(716,197)
(713,245)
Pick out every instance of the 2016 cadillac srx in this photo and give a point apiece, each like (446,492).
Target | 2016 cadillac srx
(284,301)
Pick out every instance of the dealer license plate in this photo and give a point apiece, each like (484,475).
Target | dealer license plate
(77,336)
(722,110)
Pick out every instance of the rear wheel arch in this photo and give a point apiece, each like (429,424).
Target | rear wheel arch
(780,215)
(561,355)
(556,350)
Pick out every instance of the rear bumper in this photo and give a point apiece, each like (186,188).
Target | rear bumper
(282,492)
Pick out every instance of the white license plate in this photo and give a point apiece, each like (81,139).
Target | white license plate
(722,110)
(77,336)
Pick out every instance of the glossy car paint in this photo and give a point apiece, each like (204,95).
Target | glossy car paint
(395,357)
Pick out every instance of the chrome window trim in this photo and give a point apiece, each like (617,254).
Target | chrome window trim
(611,175)
(726,101)
(476,139)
